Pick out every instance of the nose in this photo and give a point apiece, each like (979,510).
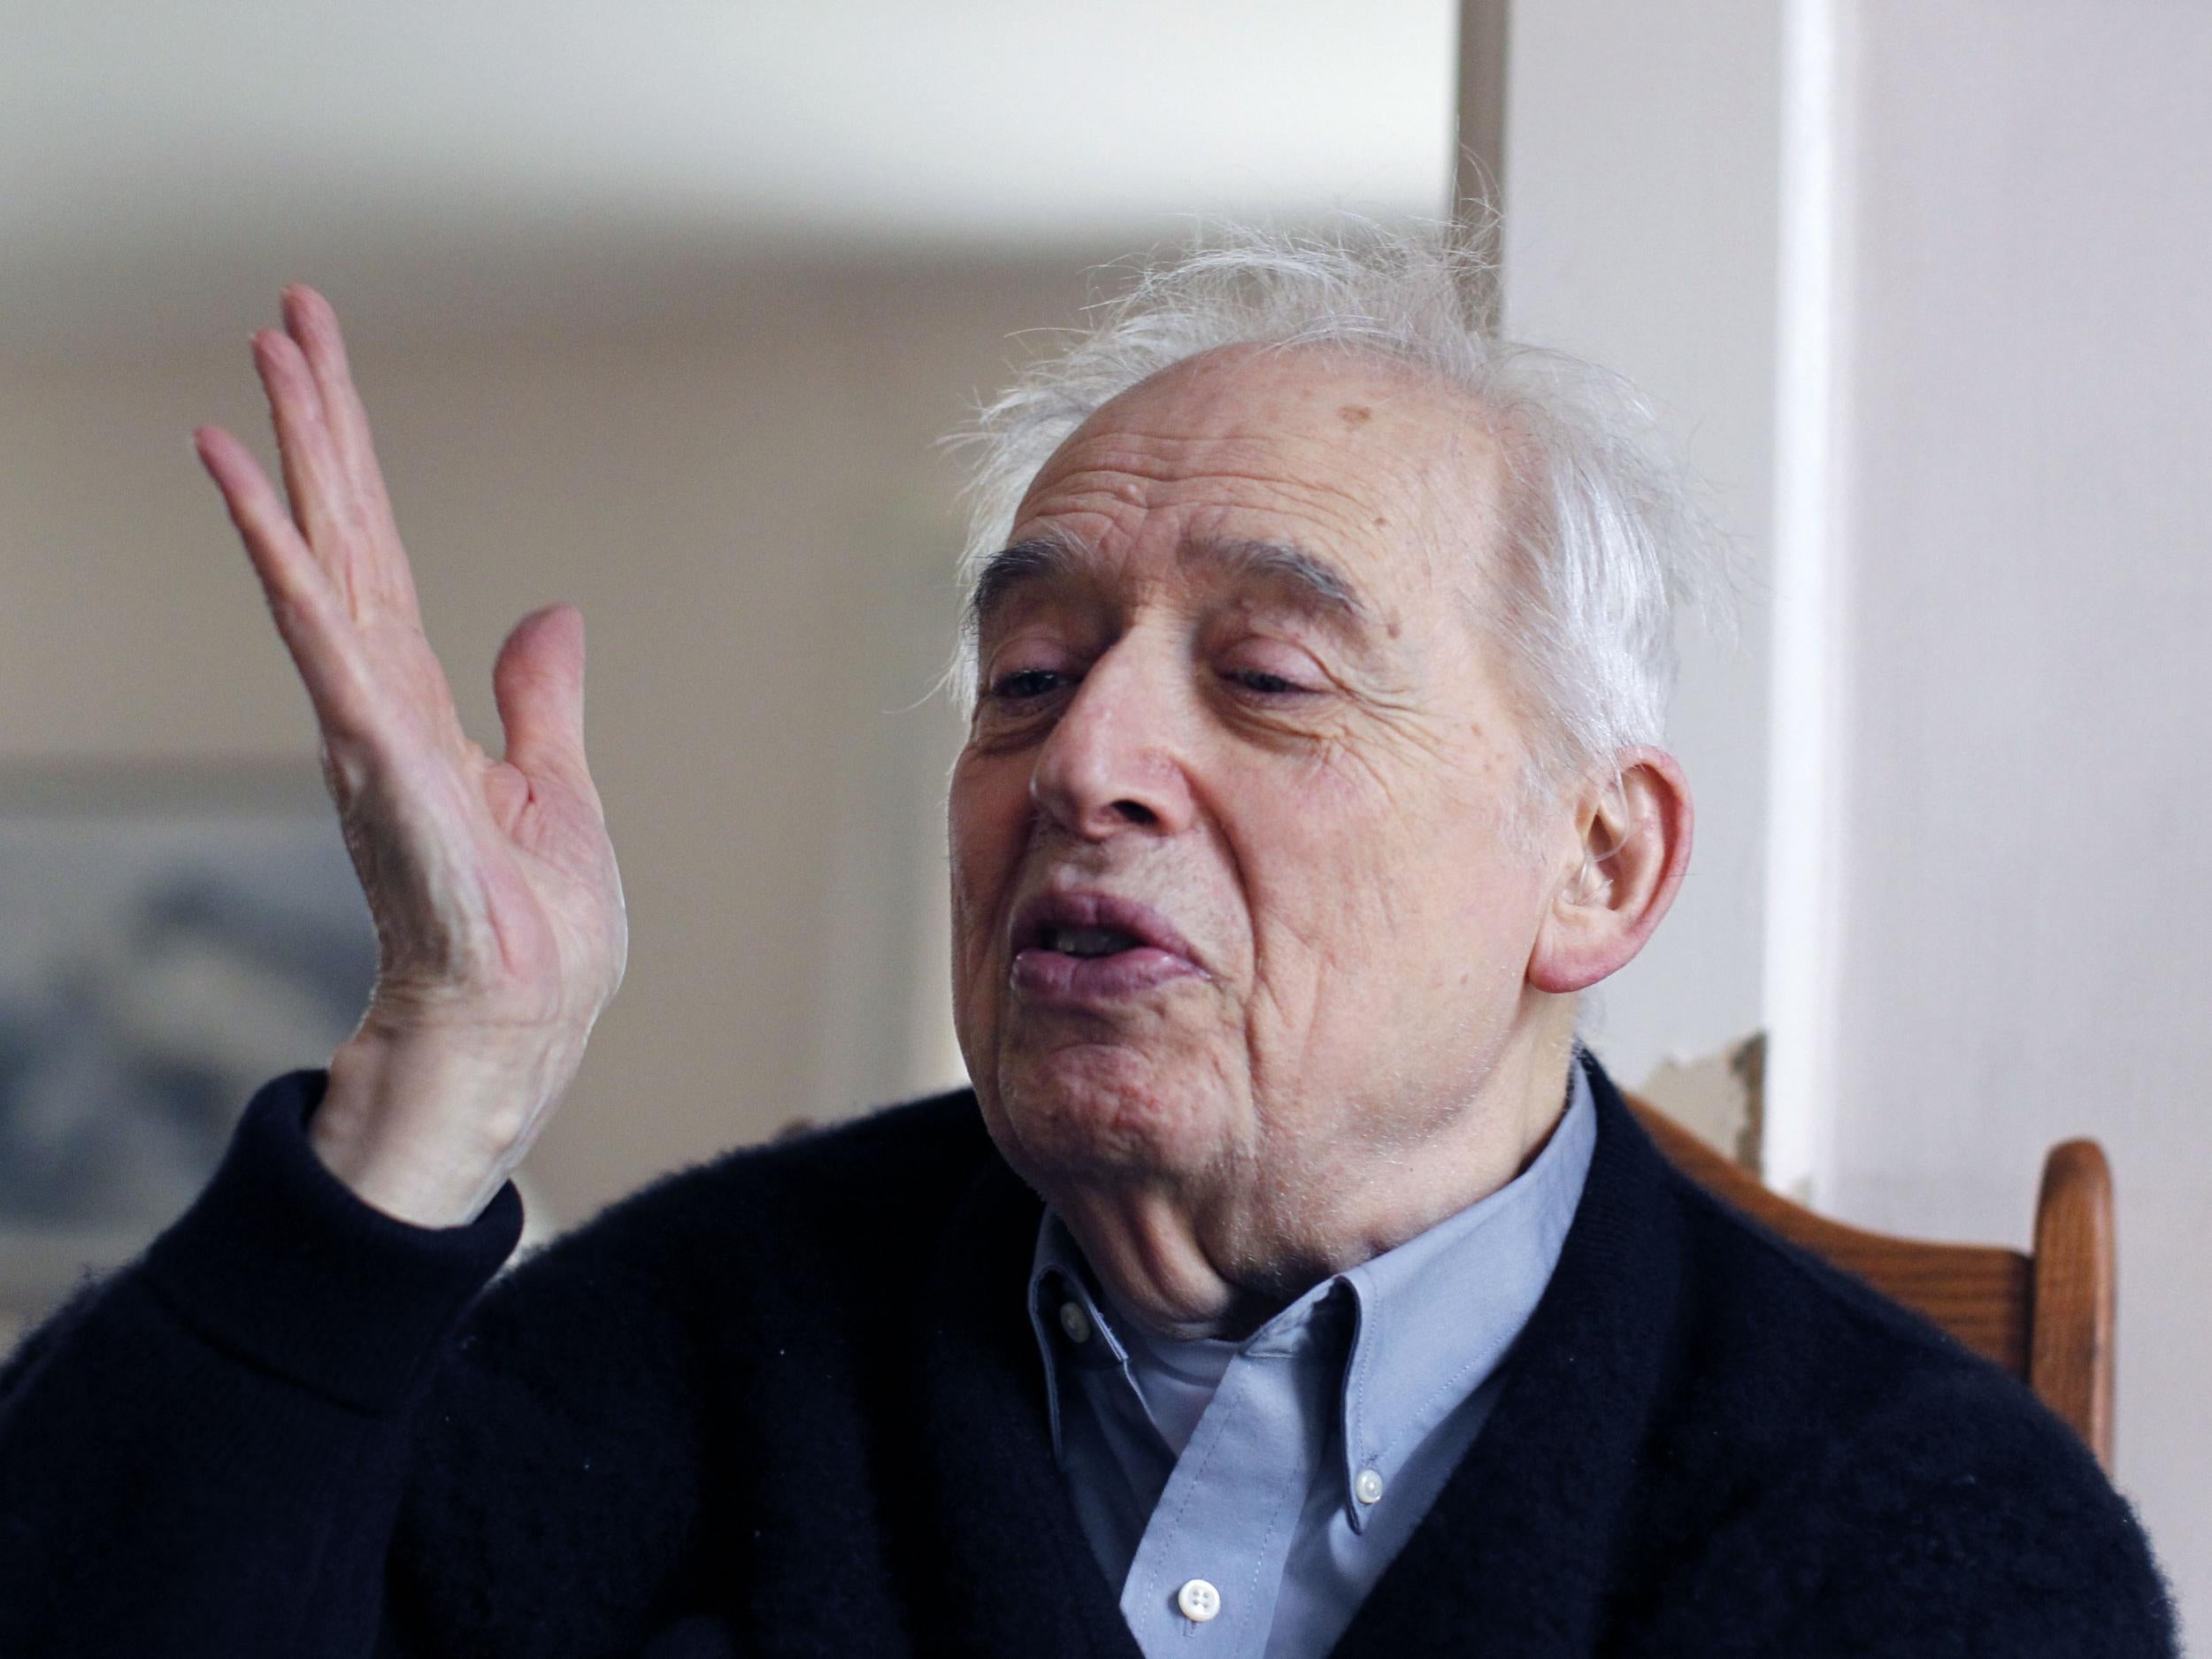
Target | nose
(1114,760)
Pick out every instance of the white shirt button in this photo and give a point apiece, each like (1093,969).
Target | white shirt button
(1367,1486)
(1075,1322)
(1199,1600)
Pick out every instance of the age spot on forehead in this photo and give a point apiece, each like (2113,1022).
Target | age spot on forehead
(1354,414)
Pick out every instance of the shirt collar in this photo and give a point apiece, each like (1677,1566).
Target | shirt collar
(1410,1362)
(1064,1312)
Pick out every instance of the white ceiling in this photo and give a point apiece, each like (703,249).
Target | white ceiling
(156,159)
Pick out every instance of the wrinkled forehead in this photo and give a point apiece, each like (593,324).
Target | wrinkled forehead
(1371,472)
(1291,577)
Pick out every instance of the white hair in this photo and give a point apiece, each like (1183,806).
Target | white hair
(1602,542)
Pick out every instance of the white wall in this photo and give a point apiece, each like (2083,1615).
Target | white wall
(159,156)
(2025,496)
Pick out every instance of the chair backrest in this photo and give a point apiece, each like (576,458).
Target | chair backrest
(2045,1317)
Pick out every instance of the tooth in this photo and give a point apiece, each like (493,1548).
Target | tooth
(1094,941)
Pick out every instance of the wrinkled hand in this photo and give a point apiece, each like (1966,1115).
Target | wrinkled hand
(498,909)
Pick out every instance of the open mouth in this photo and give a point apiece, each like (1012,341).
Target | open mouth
(1088,942)
(1092,947)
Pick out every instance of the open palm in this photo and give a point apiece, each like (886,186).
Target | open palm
(492,883)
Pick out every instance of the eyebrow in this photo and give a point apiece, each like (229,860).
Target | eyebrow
(1314,585)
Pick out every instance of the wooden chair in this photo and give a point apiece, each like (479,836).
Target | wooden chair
(2045,1317)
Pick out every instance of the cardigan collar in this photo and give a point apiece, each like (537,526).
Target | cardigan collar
(1514,1555)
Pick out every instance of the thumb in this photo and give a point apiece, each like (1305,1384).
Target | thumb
(538,681)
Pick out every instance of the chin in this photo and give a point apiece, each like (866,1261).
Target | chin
(1103,1113)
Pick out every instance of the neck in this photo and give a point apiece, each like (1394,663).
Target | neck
(1222,1262)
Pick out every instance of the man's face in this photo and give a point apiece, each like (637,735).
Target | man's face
(1234,899)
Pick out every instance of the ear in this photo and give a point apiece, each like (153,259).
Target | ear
(1633,848)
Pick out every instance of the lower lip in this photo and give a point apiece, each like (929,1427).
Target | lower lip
(1053,978)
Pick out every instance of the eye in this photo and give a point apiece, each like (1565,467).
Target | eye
(1268,686)
(1026,684)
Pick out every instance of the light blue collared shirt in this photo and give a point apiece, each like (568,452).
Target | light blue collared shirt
(1284,1473)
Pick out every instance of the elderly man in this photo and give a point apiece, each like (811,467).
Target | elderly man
(1289,1282)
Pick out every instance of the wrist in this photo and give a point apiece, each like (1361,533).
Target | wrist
(427,1126)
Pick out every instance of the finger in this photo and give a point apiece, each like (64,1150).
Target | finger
(307,610)
(287,565)
(313,325)
(538,682)
(322,504)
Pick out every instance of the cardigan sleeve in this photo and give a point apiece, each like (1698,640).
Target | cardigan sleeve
(297,1425)
(1967,1519)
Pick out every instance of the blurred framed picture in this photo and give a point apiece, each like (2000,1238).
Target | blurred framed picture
(171,938)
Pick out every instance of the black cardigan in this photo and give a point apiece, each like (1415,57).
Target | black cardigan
(787,1402)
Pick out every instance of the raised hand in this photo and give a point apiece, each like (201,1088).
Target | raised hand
(498,908)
